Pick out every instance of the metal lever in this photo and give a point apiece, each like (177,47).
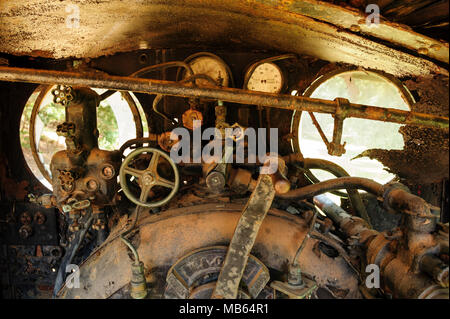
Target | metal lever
(244,238)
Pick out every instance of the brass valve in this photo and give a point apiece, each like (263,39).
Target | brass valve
(190,116)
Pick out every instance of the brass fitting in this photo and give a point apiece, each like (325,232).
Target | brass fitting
(138,282)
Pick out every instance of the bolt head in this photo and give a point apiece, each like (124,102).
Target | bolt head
(108,172)
(148,179)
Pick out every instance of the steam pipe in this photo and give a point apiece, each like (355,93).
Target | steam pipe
(288,102)
(353,194)
(334,184)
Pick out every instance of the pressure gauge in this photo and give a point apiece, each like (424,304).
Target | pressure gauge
(266,77)
(211,65)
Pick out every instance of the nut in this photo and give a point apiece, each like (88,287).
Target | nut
(26,218)
(92,185)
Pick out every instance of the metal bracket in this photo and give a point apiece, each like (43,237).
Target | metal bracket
(334,147)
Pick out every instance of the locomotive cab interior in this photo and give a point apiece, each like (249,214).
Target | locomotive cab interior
(224,149)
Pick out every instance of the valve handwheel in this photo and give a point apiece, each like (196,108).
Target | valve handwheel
(148,178)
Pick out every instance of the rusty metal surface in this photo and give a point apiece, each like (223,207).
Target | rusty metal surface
(244,238)
(38,28)
(425,156)
(355,21)
(28,270)
(162,239)
(288,102)
(399,253)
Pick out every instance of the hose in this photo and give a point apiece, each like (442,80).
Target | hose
(162,66)
(336,170)
(152,68)
(307,236)
(148,69)
(191,78)
(137,211)
(133,250)
(151,139)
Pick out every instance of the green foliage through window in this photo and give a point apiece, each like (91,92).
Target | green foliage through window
(107,127)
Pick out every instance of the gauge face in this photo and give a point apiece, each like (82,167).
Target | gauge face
(212,67)
(267,77)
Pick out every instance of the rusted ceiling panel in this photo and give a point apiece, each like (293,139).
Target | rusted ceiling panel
(405,7)
(432,15)
(39,28)
(355,20)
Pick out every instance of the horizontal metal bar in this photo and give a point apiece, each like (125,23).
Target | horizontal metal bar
(281,101)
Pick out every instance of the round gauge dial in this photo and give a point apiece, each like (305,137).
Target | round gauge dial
(266,77)
(211,66)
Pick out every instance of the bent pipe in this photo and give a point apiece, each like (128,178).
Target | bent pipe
(396,196)
(162,239)
(353,194)
(334,184)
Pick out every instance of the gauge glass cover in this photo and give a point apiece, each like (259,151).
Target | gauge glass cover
(209,66)
(267,77)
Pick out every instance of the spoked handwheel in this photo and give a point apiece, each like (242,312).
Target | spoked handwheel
(149,177)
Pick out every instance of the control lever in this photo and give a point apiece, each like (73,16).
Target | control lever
(245,235)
